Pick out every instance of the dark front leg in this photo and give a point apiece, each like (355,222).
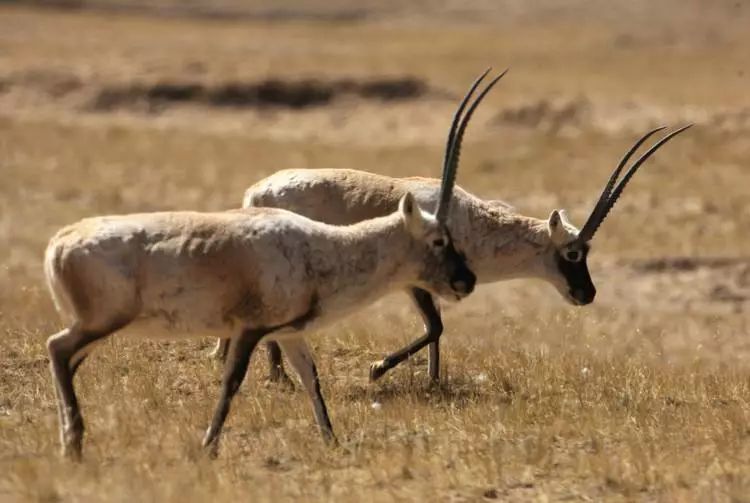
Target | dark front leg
(433,360)
(433,329)
(235,368)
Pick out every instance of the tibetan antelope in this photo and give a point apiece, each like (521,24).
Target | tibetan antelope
(499,243)
(242,275)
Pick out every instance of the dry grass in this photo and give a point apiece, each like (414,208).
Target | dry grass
(643,396)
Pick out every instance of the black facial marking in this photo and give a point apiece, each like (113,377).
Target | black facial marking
(462,278)
(580,286)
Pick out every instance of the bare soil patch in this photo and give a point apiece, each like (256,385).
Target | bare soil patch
(698,284)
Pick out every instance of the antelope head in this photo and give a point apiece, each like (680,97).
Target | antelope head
(432,229)
(569,248)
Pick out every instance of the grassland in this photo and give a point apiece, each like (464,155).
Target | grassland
(643,396)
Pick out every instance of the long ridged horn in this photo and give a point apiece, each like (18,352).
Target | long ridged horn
(609,195)
(453,145)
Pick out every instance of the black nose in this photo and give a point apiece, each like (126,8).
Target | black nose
(464,283)
(584,296)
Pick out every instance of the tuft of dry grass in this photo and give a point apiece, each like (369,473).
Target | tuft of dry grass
(641,397)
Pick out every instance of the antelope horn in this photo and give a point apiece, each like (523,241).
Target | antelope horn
(453,145)
(609,196)
(595,215)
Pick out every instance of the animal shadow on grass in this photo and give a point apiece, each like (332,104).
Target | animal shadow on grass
(455,391)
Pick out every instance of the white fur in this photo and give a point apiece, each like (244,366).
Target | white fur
(228,275)
(499,243)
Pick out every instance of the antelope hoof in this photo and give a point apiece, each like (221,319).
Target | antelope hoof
(434,378)
(377,370)
(278,377)
(210,446)
(72,452)
(212,451)
(219,352)
(72,441)
(329,438)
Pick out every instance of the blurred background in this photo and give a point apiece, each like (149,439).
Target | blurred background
(117,106)
(125,106)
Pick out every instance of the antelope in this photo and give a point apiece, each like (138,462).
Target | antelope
(499,243)
(244,276)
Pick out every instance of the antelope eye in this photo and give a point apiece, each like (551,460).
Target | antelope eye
(573,255)
(438,243)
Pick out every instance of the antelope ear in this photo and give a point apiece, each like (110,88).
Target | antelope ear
(406,205)
(411,214)
(554,221)
(557,232)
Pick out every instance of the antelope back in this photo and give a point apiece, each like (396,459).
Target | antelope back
(333,196)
